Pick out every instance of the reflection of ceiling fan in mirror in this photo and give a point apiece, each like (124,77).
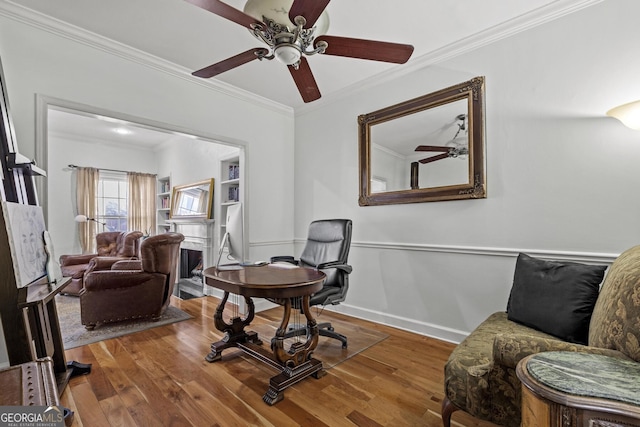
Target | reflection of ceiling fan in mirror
(290,36)
(456,147)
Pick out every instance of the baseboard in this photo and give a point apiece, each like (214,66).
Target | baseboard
(403,323)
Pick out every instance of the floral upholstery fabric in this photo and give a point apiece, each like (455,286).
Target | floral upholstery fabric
(615,322)
(480,374)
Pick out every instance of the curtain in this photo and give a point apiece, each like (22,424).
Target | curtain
(86,192)
(142,202)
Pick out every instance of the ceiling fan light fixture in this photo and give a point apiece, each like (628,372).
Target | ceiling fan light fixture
(287,53)
(278,11)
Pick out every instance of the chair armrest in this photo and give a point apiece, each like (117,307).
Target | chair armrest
(129,264)
(284,258)
(102,263)
(335,264)
(66,260)
(115,279)
(509,349)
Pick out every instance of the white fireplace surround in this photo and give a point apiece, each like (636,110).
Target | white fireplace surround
(198,235)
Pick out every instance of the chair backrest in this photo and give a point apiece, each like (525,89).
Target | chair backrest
(118,243)
(615,322)
(106,242)
(159,254)
(329,240)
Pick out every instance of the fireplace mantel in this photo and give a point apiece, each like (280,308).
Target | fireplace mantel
(198,235)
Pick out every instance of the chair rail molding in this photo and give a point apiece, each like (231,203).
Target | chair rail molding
(417,326)
(586,257)
(554,255)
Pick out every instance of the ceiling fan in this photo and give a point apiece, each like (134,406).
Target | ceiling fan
(292,35)
(452,148)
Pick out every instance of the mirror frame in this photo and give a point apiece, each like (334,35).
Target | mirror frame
(471,90)
(176,190)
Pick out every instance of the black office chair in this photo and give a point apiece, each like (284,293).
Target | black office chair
(327,249)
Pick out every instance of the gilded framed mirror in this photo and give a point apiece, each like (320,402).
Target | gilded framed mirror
(426,149)
(192,200)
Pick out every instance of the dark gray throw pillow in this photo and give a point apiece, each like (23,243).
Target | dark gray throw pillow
(555,297)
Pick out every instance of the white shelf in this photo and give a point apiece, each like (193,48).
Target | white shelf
(230,181)
(231,187)
(163,204)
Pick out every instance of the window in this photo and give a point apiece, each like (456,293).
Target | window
(112,200)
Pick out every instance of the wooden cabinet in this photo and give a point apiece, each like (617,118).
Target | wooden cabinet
(570,389)
(163,205)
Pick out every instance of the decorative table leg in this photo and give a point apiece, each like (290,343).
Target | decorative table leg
(234,332)
(297,362)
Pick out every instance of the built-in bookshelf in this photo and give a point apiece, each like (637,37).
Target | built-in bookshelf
(163,205)
(230,186)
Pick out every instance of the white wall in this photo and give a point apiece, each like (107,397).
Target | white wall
(61,181)
(562,178)
(37,59)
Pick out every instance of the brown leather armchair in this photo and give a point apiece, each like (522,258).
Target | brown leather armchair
(116,295)
(117,244)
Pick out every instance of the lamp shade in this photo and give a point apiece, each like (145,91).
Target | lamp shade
(628,114)
(287,54)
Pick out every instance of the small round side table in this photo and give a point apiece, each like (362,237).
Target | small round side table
(567,389)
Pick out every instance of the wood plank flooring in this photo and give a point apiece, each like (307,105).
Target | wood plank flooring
(159,377)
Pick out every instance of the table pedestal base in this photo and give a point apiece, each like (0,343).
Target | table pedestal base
(294,365)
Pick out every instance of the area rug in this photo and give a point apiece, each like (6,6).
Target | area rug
(328,350)
(74,334)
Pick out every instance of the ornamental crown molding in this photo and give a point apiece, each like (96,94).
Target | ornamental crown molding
(537,17)
(60,28)
(530,20)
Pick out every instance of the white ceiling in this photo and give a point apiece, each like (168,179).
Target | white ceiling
(192,38)
(96,129)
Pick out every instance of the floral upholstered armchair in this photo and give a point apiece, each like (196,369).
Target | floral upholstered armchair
(480,374)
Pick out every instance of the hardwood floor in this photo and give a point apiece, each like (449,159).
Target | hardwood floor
(159,377)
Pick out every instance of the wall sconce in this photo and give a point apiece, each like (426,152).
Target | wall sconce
(628,114)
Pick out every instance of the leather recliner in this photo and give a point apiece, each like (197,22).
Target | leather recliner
(116,295)
(115,244)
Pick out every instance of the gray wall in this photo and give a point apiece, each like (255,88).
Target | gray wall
(562,177)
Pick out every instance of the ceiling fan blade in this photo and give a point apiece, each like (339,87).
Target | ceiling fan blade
(367,49)
(310,9)
(229,63)
(305,81)
(431,148)
(226,11)
(434,158)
